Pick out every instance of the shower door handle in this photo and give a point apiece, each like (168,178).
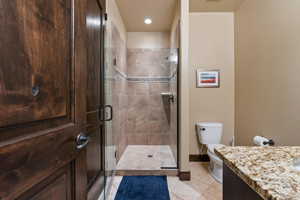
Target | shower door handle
(111,115)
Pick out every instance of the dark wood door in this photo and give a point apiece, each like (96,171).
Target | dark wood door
(42,99)
(95,125)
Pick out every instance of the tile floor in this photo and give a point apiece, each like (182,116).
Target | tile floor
(146,157)
(201,187)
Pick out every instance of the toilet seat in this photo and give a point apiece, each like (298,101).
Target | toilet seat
(211,148)
(214,158)
(212,154)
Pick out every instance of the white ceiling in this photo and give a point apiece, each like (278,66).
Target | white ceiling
(134,12)
(214,5)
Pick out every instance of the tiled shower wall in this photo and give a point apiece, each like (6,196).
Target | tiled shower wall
(148,112)
(119,91)
(142,116)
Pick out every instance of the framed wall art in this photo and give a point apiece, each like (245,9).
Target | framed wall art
(208,78)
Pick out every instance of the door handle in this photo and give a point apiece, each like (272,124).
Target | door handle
(82,140)
(110,111)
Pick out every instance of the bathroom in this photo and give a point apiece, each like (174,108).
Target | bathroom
(149,100)
(217,40)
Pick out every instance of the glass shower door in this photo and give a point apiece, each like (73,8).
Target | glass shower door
(109,109)
(169,150)
(173,59)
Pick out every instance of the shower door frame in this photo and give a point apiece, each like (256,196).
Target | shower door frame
(178,95)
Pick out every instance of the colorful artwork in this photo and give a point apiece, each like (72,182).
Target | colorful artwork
(208,78)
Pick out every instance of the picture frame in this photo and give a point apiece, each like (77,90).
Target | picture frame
(208,78)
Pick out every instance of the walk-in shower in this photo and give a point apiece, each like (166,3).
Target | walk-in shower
(141,76)
(145,103)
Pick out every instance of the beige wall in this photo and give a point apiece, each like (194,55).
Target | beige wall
(174,41)
(184,104)
(148,40)
(267,71)
(212,47)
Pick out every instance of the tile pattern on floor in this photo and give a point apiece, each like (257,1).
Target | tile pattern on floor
(146,157)
(201,187)
(204,183)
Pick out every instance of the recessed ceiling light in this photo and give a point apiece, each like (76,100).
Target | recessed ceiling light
(148,21)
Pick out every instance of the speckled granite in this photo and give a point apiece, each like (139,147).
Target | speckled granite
(267,170)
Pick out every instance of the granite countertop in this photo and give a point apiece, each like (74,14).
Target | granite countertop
(267,170)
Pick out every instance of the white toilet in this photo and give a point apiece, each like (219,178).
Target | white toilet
(209,134)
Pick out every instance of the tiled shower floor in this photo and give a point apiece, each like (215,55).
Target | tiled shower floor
(146,157)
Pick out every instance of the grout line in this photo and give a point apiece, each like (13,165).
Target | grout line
(144,79)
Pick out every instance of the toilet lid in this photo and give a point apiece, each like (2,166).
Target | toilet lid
(211,147)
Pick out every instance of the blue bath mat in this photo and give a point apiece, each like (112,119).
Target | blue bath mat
(143,188)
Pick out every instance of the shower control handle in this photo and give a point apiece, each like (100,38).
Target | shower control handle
(172,98)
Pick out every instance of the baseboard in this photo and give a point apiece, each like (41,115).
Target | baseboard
(184,176)
(96,189)
(199,158)
(167,172)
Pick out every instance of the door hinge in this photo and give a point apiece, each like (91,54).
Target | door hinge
(105,16)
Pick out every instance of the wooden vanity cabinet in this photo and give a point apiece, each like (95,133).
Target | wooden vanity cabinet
(234,188)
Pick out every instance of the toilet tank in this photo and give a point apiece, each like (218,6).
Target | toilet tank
(209,132)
